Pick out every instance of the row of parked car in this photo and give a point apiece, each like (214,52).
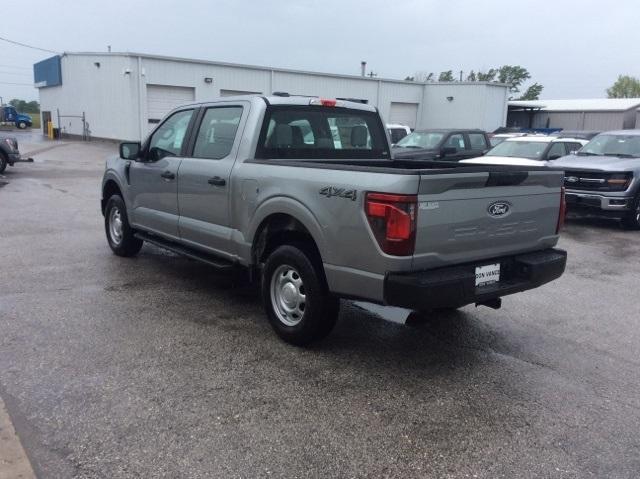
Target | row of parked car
(602,170)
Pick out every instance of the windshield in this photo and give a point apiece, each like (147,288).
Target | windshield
(421,139)
(613,145)
(519,149)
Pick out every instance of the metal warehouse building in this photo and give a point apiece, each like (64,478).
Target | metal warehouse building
(124,95)
(593,114)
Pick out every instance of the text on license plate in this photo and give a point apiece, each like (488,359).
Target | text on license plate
(487,274)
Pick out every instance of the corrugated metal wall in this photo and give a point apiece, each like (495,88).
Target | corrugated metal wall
(105,93)
(116,102)
(584,120)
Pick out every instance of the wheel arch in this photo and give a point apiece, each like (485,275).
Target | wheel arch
(110,187)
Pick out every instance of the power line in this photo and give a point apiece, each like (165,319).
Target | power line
(14,66)
(26,46)
(24,74)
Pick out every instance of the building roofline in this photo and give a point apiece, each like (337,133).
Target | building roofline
(275,69)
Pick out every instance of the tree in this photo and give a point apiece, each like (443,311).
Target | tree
(487,76)
(472,76)
(410,79)
(25,106)
(514,76)
(625,87)
(446,76)
(532,93)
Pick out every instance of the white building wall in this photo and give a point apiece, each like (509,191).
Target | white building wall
(105,93)
(464,105)
(116,102)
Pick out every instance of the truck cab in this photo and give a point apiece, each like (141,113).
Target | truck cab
(9,114)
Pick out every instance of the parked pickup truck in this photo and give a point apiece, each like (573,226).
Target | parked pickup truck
(303,194)
(603,177)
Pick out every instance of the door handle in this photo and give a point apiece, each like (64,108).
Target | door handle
(217,181)
(167,175)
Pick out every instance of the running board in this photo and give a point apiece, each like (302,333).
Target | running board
(211,260)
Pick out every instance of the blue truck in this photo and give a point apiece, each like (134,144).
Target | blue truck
(8,114)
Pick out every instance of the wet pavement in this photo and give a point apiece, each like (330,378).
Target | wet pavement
(157,367)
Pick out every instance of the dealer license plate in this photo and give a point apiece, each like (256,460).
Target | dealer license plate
(487,274)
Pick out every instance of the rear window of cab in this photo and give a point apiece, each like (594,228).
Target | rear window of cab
(318,132)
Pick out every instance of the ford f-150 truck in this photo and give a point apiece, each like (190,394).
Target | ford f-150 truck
(603,177)
(9,153)
(303,193)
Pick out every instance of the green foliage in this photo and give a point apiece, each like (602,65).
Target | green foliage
(489,75)
(25,106)
(514,76)
(446,76)
(472,76)
(410,78)
(532,93)
(625,87)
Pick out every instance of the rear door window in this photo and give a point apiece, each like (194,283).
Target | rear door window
(477,141)
(556,150)
(217,132)
(310,132)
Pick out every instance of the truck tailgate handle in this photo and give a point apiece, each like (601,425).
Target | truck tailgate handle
(506,178)
(217,181)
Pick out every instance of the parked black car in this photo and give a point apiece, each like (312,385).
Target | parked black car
(449,145)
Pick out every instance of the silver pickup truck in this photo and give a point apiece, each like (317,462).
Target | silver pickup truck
(304,195)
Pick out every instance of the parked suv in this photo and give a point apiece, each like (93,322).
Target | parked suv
(604,176)
(303,194)
(448,145)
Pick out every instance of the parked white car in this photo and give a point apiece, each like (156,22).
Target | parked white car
(397,132)
(529,150)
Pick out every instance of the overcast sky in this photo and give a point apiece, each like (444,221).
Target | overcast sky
(576,49)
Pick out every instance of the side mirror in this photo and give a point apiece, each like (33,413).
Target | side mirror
(130,150)
(553,157)
(448,151)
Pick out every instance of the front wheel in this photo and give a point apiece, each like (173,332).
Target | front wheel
(3,163)
(632,219)
(120,235)
(295,296)
(22,125)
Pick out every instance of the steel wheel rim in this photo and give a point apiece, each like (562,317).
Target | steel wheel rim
(115,225)
(638,213)
(288,297)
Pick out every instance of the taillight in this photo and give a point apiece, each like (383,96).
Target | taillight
(393,221)
(323,102)
(563,211)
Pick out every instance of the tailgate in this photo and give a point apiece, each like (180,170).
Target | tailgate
(472,216)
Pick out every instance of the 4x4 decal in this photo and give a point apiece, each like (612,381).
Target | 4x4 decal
(330,191)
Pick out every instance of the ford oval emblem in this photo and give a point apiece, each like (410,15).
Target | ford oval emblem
(499,209)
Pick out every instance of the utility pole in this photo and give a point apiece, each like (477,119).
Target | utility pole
(461,72)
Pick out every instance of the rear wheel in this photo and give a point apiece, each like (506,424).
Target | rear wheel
(120,235)
(632,219)
(295,296)
(3,162)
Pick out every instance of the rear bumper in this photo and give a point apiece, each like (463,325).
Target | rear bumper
(454,286)
(593,201)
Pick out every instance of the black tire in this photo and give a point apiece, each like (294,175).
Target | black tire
(22,125)
(121,238)
(293,276)
(3,163)
(631,220)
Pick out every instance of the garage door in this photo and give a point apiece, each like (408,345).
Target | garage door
(161,99)
(404,114)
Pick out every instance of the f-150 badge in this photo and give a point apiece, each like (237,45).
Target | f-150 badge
(330,191)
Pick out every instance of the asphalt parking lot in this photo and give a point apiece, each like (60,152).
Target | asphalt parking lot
(156,367)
